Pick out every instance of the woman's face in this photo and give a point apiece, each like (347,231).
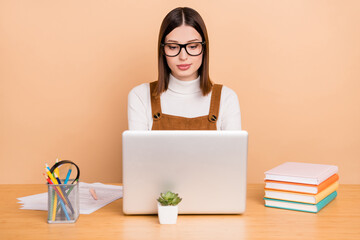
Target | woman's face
(184,66)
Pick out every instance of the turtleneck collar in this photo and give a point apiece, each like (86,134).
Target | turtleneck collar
(184,87)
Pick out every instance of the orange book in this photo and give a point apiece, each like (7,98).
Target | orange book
(300,187)
(301,197)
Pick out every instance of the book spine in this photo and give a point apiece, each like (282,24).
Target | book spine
(293,209)
(300,187)
(326,201)
(323,194)
(327,182)
(328,173)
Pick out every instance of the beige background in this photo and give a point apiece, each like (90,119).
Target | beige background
(66,68)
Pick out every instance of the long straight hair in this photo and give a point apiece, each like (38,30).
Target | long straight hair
(174,19)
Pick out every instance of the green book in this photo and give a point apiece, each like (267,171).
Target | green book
(297,206)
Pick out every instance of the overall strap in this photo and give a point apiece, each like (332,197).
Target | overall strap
(215,103)
(155,102)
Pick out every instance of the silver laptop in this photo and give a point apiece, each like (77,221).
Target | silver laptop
(206,168)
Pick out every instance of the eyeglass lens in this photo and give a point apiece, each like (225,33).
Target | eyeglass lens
(173,49)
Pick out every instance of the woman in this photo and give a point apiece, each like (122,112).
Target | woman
(183,98)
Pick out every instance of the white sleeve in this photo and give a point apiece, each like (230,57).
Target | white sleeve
(230,110)
(138,108)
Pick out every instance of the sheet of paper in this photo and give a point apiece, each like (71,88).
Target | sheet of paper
(105,194)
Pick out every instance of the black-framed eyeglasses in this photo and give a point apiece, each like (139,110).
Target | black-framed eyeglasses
(173,49)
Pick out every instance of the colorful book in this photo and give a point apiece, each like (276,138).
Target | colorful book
(300,187)
(301,197)
(307,173)
(305,207)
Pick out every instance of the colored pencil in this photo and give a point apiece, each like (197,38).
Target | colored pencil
(54,181)
(57,169)
(54,201)
(47,169)
(52,198)
(61,202)
(63,188)
(68,175)
(54,207)
(71,188)
(57,178)
(93,193)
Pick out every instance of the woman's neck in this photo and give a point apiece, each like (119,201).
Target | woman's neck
(184,87)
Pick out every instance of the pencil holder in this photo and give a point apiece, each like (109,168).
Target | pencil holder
(63,203)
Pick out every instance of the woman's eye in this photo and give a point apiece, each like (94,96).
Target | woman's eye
(194,46)
(172,47)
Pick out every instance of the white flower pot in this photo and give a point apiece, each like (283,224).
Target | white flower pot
(167,214)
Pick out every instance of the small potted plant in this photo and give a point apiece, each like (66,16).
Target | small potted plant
(168,207)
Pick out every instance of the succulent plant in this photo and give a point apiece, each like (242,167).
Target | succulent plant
(169,199)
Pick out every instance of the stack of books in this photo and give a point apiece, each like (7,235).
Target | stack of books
(301,186)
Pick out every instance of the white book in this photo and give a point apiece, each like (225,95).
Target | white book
(307,173)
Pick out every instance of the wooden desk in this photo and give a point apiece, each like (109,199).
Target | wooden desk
(339,220)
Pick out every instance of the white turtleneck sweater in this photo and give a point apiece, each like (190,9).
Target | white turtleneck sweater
(184,99)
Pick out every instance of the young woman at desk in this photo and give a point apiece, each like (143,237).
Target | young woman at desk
(183,98)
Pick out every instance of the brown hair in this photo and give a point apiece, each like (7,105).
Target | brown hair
(172,20)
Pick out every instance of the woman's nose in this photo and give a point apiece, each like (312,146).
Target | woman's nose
(183,54)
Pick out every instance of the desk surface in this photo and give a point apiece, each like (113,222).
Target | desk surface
(339,220)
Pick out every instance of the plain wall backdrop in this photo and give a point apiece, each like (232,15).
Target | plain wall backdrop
(66,68)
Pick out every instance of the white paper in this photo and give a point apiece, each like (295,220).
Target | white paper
(105,194)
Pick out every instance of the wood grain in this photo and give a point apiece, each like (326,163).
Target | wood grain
(339,220)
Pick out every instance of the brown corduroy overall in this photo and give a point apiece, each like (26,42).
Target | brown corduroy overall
(168,122)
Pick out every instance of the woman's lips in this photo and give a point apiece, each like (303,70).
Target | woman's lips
(184,67)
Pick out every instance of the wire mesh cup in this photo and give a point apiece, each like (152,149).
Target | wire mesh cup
(63,203)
